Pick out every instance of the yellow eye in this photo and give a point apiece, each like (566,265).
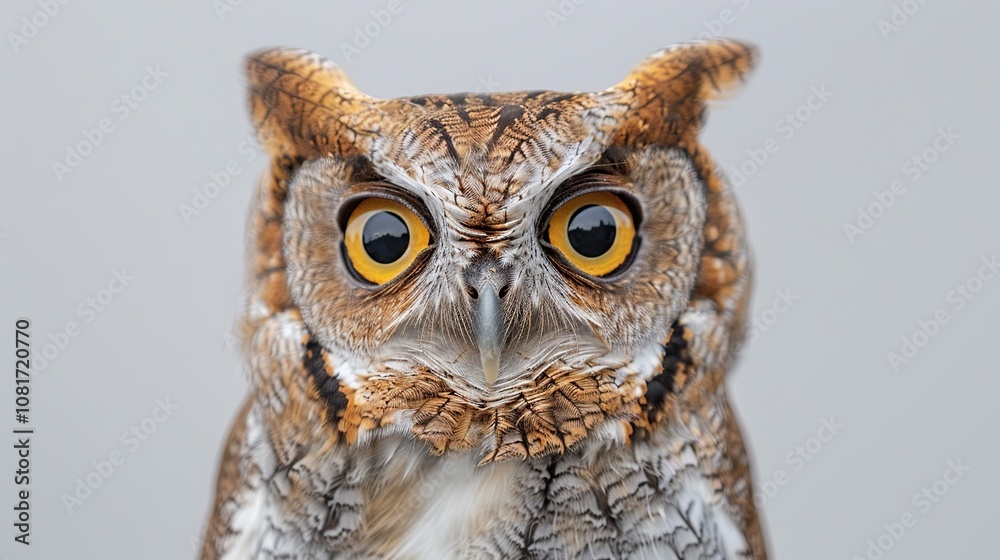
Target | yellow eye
(382,239)
(594,231)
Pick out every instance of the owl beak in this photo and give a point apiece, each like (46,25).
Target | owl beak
(489,329)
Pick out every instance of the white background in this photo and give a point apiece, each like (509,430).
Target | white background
(162,337)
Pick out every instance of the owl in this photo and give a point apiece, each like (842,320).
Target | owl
(490,325)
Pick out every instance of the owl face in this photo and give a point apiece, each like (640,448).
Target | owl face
(440,263)
(497,249)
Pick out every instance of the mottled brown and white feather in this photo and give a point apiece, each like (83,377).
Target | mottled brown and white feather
(373,432)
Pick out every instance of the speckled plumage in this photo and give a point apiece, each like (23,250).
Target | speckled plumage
(371,431)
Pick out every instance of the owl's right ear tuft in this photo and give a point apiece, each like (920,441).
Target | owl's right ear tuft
(300,103)
(303,107)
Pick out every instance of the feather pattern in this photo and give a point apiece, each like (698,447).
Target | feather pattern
(372,430)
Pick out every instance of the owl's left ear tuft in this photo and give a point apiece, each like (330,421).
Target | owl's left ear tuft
(666,93)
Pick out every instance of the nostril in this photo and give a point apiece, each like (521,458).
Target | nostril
(473,293)
(503,292)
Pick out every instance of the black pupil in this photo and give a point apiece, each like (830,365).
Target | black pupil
(385,237)
(591,230)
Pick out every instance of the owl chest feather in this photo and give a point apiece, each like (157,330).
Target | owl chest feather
(398,501)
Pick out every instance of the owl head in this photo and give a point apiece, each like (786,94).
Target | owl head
(496,270)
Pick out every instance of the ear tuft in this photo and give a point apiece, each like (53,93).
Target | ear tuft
(700,68)
(299,101)
(666,93)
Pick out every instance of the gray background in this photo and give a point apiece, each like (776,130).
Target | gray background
(164,335)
